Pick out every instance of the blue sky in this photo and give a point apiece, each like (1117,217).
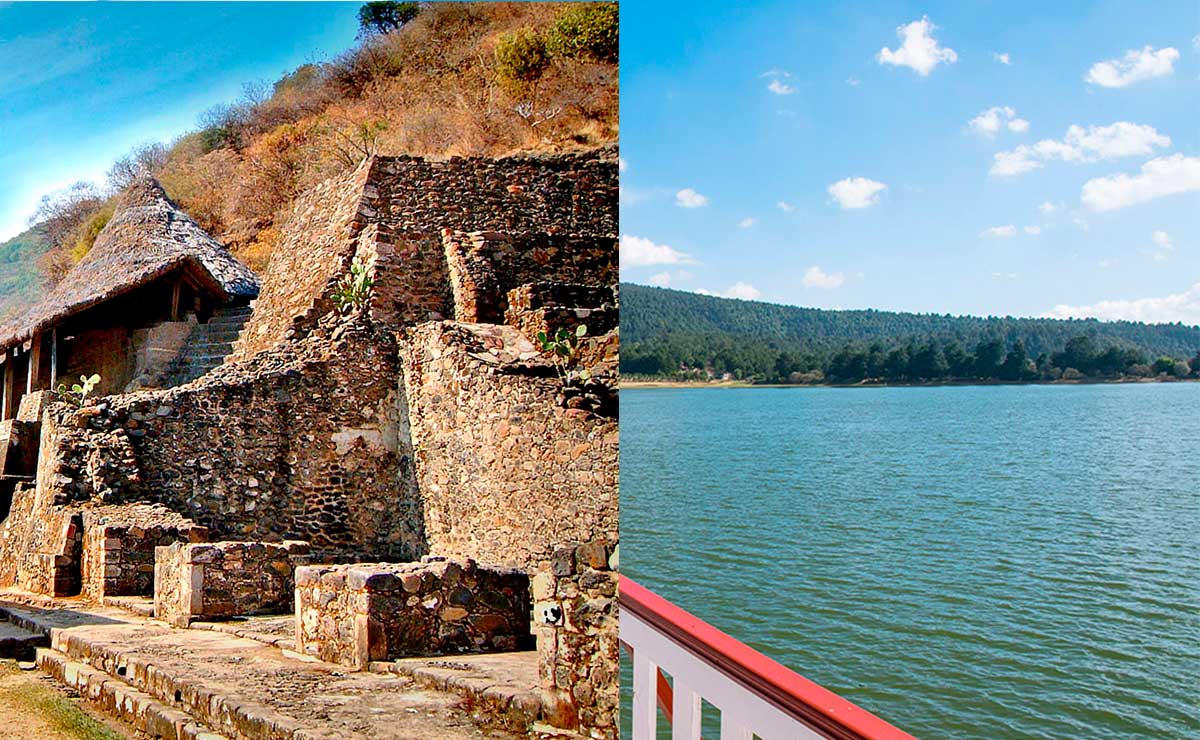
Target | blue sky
(984,157)
(81,83)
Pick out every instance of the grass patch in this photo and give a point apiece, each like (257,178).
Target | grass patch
(20,697)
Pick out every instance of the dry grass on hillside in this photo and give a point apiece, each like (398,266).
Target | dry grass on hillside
(432,88)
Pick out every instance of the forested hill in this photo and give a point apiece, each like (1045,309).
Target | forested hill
(668,332)
(20,278)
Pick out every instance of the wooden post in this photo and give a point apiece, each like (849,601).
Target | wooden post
(54,358)
(9,379)
(33,377)
(175,300)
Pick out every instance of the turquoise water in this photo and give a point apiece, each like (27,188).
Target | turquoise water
(966,562)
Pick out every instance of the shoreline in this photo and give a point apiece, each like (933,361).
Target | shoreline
(644,384)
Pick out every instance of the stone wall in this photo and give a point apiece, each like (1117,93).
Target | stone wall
(119,543)
(304,442)
(358,613)
(317,241)
(537,307)
(575,620)
(506,473)
(219,580)
(485,266)
(395,210)
(40,546)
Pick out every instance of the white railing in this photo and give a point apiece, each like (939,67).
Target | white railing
(757,697)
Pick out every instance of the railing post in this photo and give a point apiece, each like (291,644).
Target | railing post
(733,727)
(645,689)
(686,712)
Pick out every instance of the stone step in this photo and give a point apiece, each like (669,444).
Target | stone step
(240,719)
(244,689)
(118,699)
(203,359)
(211,348)
(19,643)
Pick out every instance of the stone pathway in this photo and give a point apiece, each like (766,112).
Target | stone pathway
(244,688)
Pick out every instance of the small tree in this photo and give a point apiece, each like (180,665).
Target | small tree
(78,393)
(385,17)
(522,58)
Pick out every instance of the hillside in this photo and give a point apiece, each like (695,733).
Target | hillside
(671,333)
(428,79)
(20,279)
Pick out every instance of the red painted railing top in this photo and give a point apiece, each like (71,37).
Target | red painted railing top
(811,703)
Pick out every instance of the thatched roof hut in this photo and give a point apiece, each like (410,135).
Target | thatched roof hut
(152,274)
(147,238)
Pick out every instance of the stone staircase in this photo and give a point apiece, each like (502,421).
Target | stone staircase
(208,346)
(213,684)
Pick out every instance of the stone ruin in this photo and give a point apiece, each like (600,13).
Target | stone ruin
(409,476)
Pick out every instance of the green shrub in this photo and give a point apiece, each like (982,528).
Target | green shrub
(521,59)
(563,347)
(78,394)
(353,291)
(586,32)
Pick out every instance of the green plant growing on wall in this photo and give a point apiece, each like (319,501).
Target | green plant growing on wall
(77,394)
(353,291)
(563,346)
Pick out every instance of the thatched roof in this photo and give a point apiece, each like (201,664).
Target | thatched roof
(147,237)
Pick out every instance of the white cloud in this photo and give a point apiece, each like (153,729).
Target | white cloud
(777,85)
(622,164)
(1158,178)
(744,291)
(1105,264)
(989,122)
(856,192)
(1004,58)
(637,251)
(815,277)
(920,51)
(746,223)
(661,279)
(780,88)
(1183,307)
(1006,275)
(1000,232)
(1033,230)
(1047,207)
(1093,144)
(1135,66)
(1164,243)
(688,198)
(853,81)
(784,206)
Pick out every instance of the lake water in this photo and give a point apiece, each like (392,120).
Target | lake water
(966,562)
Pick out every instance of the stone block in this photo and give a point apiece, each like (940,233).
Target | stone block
(219,580)
(357,613)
